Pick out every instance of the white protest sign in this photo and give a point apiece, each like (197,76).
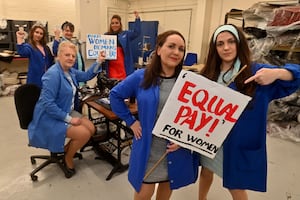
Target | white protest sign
(96,43)
(199,113)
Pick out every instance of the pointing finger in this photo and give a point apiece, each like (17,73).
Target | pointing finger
(252,78)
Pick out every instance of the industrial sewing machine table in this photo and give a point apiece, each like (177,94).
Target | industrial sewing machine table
(114,140)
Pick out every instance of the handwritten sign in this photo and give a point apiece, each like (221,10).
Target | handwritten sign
(96,43)
(199,113)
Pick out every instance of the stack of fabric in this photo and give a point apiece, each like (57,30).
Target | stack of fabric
(274,32)
(273,29)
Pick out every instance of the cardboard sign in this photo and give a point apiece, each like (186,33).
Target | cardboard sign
(199,113)
(96,43)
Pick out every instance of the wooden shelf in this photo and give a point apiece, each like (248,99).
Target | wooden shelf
(16,64)
(235,15)
(286,48)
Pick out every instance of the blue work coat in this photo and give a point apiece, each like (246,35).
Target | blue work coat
(48,129)
(182,163)
(38,63)
(245,154)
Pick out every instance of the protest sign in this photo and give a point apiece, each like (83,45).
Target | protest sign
(199,113)
(96,43)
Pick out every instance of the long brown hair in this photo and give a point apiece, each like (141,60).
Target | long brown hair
(212,69)
(154,68)
(110,31)
(44,38)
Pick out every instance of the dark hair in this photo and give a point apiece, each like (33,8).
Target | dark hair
(68,24)
(31,32)
(212,69)
(118,17)
(154,68)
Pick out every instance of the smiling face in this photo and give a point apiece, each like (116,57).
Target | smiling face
(66,55)
(38,34)
(67,32)
(115,25)
(226,45)
(171,53)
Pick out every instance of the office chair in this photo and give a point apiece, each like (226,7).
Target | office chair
(190,59)
(25,98)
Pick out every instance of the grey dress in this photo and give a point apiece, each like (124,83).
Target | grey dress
(159,145)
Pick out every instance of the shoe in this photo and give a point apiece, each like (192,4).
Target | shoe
(69,172)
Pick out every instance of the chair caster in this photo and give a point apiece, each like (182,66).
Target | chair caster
(34,177)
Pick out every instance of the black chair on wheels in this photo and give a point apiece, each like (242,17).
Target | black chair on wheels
(25,98)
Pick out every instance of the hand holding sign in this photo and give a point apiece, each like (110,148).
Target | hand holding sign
(101,57)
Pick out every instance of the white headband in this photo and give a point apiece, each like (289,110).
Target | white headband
(228,28)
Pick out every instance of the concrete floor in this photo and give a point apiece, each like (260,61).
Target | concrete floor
(89,182)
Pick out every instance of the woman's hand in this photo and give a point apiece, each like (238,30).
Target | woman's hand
(56,34)
(136,14)
(75,121)
(101,57)
(172,147)
(137,129)
(266,76)
(21,35)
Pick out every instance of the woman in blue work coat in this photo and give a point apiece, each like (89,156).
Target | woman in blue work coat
(54,116)
(242,162)
(124,64)
(36,50)
(151,88)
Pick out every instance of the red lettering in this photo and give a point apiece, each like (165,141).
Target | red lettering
(212,128)
(203,122)
(185,90)
(188,116)
(200,104)
(229,109)
(210,104)
(201,99)
(183,112)
(190,120)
